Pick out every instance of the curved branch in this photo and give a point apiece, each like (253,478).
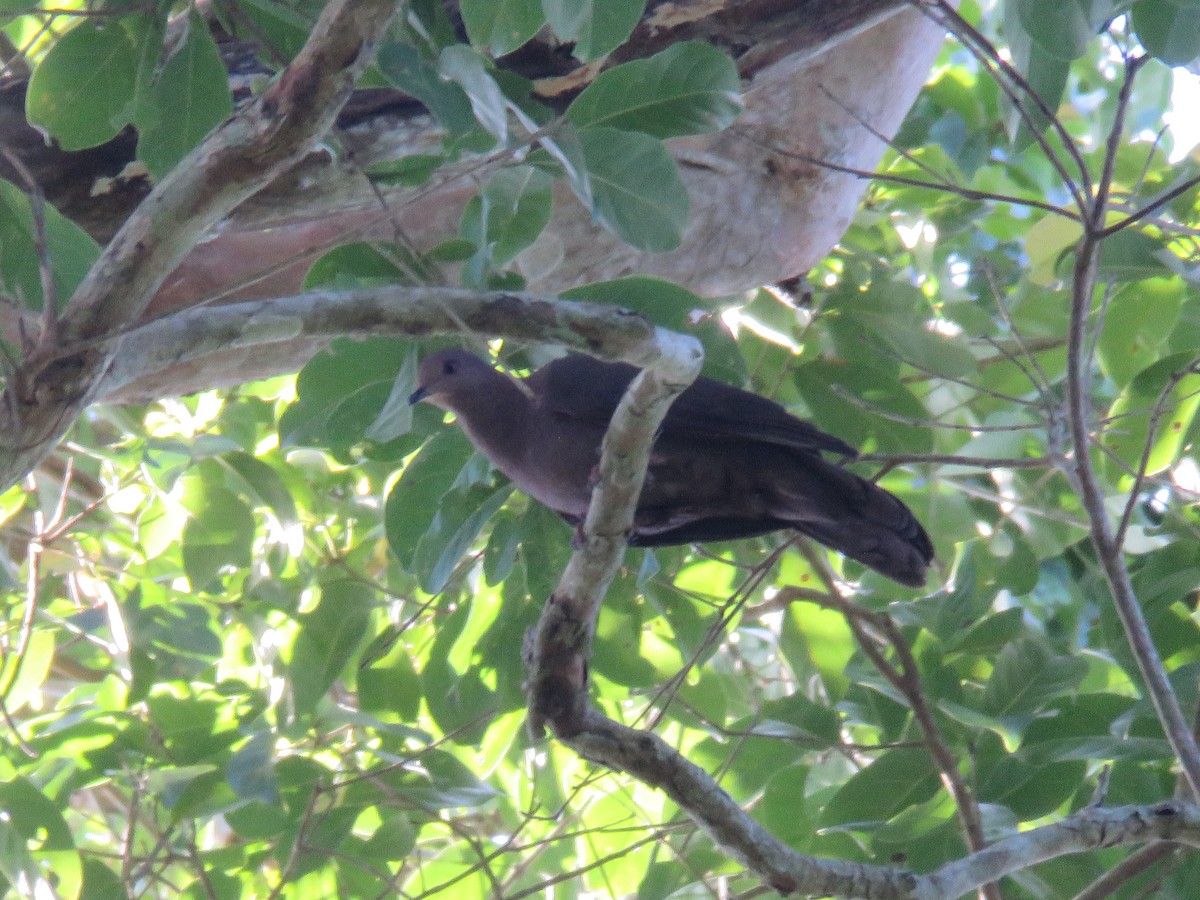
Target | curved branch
(605,331)
(1091,828)
(229,166)
(558,653)
(60,375)
(648,758)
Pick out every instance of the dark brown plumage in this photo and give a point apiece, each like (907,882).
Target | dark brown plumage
(726,464)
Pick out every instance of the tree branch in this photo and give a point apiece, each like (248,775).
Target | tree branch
(605,331)
(1079,402)
(57,380)
(558,652)
(1091,828)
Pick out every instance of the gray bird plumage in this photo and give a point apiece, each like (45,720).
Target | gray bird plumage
(726,464)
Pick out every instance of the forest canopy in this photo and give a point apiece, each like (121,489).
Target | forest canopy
(268,630)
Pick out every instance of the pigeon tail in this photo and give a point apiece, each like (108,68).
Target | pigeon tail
(903,558)
(867,524)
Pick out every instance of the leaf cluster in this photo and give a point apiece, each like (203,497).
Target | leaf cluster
(268,642)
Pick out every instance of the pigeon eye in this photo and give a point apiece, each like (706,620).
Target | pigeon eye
(448,367)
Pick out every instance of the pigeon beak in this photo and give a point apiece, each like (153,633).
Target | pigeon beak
(417,396)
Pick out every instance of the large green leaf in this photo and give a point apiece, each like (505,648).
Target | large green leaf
(414,499)
(71,252)
(218,538)
(281,27)
(1168,386)
(504,218)
(328,639)
(455,524)
(1138,321)
(81,91)
(191,96)
(404,67)
(635,188)
(33,831)
(1064,29)
(1170,30)
(466,68)
(916,343)
(671,306)
(892,782)
(501,26)
(343,392)
(1027,673)
(595,26)
(1045,71)
(689,88)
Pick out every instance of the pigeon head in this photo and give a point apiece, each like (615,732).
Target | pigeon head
(449,376)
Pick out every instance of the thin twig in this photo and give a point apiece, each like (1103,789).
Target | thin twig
(1018,90)
(1108,551)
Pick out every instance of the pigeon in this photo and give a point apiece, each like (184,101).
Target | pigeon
(726,464)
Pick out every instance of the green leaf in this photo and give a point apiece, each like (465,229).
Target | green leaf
(501,26)
(806,719)
(146,31)
(636,189)
(262,485)
(101,883)
(989,635)
(459,517)
(596,26)
(403,66)
(1130,255)
(34,665)
(844,399)
(1138,321)
(689,88)
(897,779)
(391,684)
(415,497)
(408,171)
(1168,30)
(1044,70)
(544,550)
(1030,791)
(396,417)
(35,839)
(1063,29)
(459,701)
(72,252)
(783,806)
(251,769)
(218,537)
(329,637)
(507,216)
(500,555)
(341,392)
(18,866)
(1026,674)
(671,306)
(1130,415)
(916,345)
(463,66)
(354,265)
(192,97)
(81,91)
(276,25)
(394,839)
(1049,242)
